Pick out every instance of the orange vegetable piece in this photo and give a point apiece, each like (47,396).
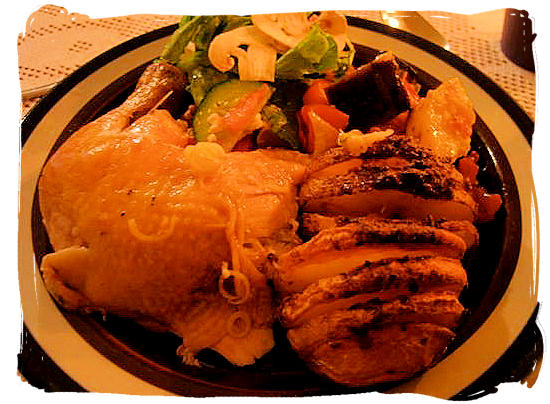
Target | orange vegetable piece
(329,113)
(319,127)
(316,94)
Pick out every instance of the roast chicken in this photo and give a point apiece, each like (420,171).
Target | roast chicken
(146,226)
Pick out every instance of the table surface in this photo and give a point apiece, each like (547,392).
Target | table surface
(57,42)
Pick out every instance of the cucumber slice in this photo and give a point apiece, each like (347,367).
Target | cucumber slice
(229,111)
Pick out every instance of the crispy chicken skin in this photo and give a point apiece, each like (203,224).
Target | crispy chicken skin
(142,225)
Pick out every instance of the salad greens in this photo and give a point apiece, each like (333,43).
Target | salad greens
(199,30)
(282,112)
(316,54)
(201,75)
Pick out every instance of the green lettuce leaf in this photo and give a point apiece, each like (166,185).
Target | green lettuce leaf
(234,21)
(200,31)
(316,53)
(281,114)
(201,75)
(202,79)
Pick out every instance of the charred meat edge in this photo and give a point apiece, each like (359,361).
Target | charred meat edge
(436,308)
(384,280)
(313,223)
(392,353)
(370,232)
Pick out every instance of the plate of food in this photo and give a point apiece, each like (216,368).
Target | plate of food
(277,205)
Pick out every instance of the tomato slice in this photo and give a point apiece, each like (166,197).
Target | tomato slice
(469,169)
(489,205)
(238,118)
(316,94)
(411,89)
(329,113)
(320,125)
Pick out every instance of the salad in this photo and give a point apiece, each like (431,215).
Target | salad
(248,75)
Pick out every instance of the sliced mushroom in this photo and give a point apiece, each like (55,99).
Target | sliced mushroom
(336,25)
(256,57)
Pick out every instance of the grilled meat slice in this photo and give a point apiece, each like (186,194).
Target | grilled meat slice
(442,309)
(395,146)
(377,281)
(408,192)
(313,223)
(389,353)
(342,249)
(464,229)
(392,178)
(372,94)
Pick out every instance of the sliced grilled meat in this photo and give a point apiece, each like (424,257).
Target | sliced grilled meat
(374,282)
(393,178)
(391,192)
(392,352)
(313,223)
(394,146)
(464,229)
(442,309)
(339,250)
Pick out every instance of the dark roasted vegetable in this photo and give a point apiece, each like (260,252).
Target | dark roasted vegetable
(372,94)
